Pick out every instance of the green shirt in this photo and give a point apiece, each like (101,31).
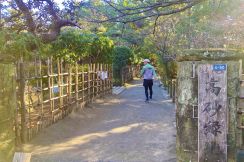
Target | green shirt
(148,66)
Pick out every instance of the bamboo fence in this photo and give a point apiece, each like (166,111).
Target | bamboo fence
(126,74)
(48,90)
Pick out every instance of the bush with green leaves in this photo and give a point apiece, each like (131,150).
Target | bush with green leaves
(73,45)
(122,56)
(14,46)
(102,49)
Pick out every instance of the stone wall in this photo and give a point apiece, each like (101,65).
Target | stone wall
(187,98)
(7,107)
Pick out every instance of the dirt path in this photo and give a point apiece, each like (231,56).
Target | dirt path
(117,129)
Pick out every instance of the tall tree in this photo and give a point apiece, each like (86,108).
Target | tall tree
(42,18)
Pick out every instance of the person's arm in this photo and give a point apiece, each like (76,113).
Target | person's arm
(142,71)
(154,73)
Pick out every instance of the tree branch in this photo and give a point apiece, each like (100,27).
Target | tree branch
(29,19)
(110,4)
(8,19)
(63,23)
(54,31)
(173,11)
(152,5)
(155,24)
(51,9)
(146,9)
(54,28)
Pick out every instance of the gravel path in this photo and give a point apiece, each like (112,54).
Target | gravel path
(119,128)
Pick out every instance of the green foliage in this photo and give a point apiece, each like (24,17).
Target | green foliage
(14,45)
(73,45)
(102,49)
(205,25)
(100,29)
(171,69)
(198,27)
(202,26)
(122,56)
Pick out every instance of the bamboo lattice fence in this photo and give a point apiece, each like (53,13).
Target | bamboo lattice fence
(126,74)
(48,90)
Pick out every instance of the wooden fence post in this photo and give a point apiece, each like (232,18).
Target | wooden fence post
(174,89)
(59,84)
(89,82)
(102,79)
(111,78)
(106,80)
(122,76)
(41,88)
(69,84)
(83,83)
(50,86)
(97,79)
(23,132)
(168,86)
(61,88)
(93,81)
(171,88)
(76,86)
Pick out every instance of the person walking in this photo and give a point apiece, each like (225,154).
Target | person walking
(148,74)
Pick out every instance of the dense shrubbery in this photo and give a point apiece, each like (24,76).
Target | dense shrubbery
(14,45)
(73,45)
(122,56)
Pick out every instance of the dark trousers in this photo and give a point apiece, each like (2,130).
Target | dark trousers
(148,83)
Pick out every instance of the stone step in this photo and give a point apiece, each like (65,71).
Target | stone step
(22,157)
(118,90)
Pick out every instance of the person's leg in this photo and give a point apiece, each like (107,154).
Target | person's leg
(150,89)
(146,91)
(146,88)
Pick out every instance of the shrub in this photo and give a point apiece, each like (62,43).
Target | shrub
(122,56)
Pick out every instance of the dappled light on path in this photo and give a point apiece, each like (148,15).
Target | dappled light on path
(116,128)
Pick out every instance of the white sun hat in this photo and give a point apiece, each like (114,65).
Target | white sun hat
(146,60)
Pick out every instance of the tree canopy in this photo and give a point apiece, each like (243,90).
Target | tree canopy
(45,18)
(147,27)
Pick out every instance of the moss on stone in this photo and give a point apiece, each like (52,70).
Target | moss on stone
(209,54)
(187,94)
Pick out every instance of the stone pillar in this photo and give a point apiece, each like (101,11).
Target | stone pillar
(187,100)
(7,109)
